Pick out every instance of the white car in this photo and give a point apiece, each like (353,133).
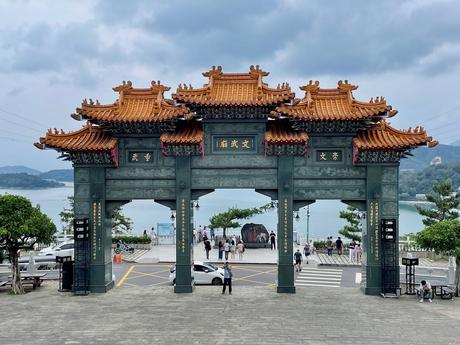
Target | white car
(202,273)
(61,249)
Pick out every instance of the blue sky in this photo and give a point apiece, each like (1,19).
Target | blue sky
(55,53)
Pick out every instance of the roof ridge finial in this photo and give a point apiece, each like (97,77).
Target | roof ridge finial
(310,88)
(347,88)
(213,73)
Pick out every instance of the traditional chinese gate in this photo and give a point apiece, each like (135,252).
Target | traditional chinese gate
(236,132)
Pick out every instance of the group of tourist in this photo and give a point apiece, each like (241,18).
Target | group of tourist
(355,251)
(201,233)
(229,248)
(354,248)
(226,249)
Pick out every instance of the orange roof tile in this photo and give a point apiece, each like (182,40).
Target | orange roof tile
(334,105)
(88,138)
(234,89)
(189,134)
(133,105)
(278,133)
(382,136)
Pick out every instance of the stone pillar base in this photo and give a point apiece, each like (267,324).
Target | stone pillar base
(183,289)
(285,289)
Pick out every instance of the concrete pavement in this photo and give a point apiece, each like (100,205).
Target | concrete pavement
(251,315)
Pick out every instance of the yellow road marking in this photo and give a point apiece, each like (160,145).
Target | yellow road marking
(144,275)
(125,275)
(255,269)
(153,274)
(255,281)
(256,274)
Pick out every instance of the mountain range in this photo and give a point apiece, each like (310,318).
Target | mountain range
(422,156)
(65,175)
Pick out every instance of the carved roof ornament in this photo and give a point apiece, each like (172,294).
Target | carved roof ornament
(309,89)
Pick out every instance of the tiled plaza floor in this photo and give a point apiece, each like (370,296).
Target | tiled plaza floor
(251,315)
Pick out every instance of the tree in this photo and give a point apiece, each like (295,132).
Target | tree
(444,238)
(354,228)
(445,201)
(21,226)
(229,219)
(67,215)
(120,223)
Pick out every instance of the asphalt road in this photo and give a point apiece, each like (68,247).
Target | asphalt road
(147,275)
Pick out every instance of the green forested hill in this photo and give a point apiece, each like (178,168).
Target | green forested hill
(421,182)
(58,175)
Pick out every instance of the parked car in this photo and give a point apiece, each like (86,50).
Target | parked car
(61,249)
(202,273)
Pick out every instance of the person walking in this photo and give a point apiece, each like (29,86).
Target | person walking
(228,274)
(232,250)
(273,240)
(306,252)
(329,246)
(339,246)
(298,261)
(240,250)
(351,251)
(207,248)
(221,250)
(226,249)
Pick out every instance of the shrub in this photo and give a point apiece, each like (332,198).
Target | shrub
(319,244)
(132,239)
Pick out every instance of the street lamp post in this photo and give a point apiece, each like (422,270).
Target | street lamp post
(308,224)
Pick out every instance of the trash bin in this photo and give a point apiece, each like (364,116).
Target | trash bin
(65,273)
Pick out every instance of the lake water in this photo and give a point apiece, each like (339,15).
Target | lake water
(324,215)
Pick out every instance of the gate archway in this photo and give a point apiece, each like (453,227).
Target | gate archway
(236,132)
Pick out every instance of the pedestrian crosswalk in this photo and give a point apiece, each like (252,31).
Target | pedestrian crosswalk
(321,277)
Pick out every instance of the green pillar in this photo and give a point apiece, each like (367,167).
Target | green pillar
(371,282)
(390,211)
(100,235)
(285,225)
(183,226)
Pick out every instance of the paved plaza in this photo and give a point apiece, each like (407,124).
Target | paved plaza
(251,315)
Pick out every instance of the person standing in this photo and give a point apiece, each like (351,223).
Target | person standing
(213,234)
(329,246)
(306,252)
(351,251)
(228,274)
(205,232)
(221,250)
(298,261)
(226,249)
(339,246)
(232,250)
(273,240)
(240,250)
(358,253)
(207,248)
